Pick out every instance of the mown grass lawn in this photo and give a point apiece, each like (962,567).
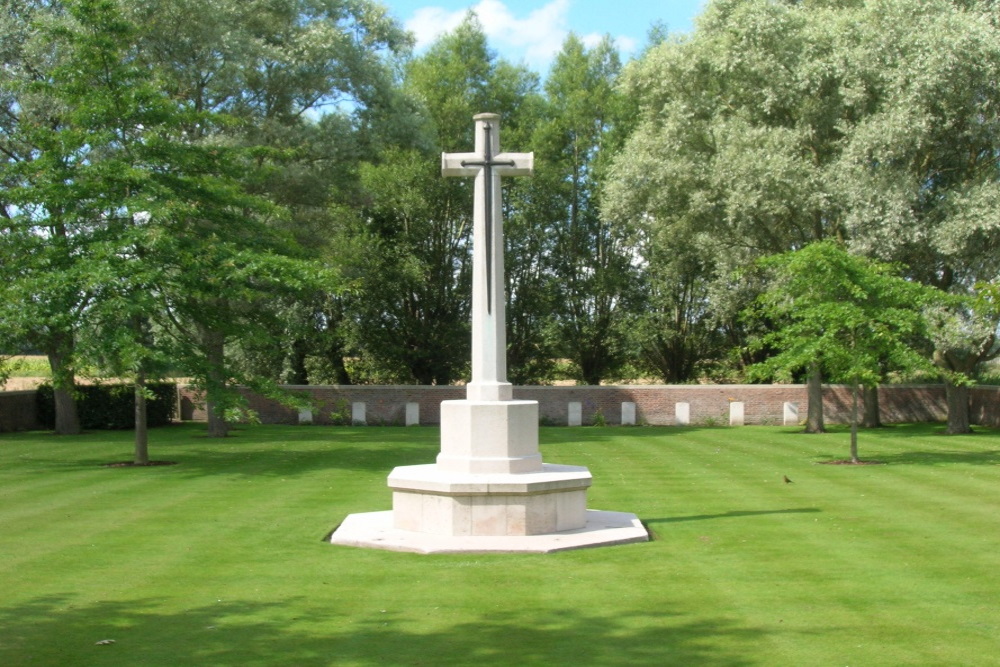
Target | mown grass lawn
(219,560)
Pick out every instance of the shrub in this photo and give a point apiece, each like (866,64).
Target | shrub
(111,406)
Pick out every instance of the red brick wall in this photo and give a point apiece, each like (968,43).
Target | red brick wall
(985,406)
(763,404)
(384,404)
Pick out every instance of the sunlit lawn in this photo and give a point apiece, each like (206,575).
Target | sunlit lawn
(219,560)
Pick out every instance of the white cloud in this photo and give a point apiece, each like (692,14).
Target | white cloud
(428,23)
(625,44)
(534,39)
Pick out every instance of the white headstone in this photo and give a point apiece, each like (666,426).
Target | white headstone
(682,414)
(358,413)
(628,413)
(305,416)
(412,414)
(575,414)
(791,416)
(736,413)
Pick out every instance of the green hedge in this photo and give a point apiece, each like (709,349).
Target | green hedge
(111,406)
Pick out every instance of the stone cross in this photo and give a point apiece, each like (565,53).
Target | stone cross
(489,336)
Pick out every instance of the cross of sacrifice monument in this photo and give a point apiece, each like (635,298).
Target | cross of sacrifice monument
(489,339)
(489,490)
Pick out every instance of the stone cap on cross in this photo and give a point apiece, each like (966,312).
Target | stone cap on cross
(489,339)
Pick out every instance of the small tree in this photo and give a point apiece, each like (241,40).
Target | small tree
(845,313)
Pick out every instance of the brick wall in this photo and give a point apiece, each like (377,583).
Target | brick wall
(18,411)
(985,406)
(763,404)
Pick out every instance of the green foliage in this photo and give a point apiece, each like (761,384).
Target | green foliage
(112,406)
(593,279)
(253,191)
(28,366)
(963,328)
(853,316)
(410,319)
(340,415)
(777,124)
(846,315)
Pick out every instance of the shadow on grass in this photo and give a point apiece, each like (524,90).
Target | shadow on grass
(732,514)
(991,457)
(893,431)
(51,630)
(284,462)
(259,452)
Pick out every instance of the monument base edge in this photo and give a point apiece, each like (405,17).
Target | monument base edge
(374,530)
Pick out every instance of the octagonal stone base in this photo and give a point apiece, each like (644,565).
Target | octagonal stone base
(489,492)
(429,499)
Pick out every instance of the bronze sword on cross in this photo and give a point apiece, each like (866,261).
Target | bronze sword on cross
(487,164)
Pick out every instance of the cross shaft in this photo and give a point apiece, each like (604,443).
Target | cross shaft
(487,164)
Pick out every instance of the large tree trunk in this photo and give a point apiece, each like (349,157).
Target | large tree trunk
(341,376)
(215,353)
(141,423)
(958,408)
(814,391)
(297,361)
(872,417)
(63,386)
(854,422)
(335,344)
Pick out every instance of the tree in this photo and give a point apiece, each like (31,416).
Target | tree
(919,176)
(159,224)
(594,280)
(412,324)
(963,329)
(777,124)
(304,78)
(39,245)
(739,127)
(844,313)
(677,330)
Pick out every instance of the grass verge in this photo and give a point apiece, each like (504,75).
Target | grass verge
(219,560)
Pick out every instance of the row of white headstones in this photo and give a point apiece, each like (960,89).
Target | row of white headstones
(574,411)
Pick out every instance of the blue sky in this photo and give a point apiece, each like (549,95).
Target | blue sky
(532,31)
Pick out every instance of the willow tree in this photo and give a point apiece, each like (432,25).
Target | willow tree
(778,124)
(740,126)
(919,177)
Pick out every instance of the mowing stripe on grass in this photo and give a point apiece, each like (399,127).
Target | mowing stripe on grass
(218,560)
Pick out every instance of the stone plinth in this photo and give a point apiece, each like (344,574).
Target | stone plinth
(428,499)
(489,437)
